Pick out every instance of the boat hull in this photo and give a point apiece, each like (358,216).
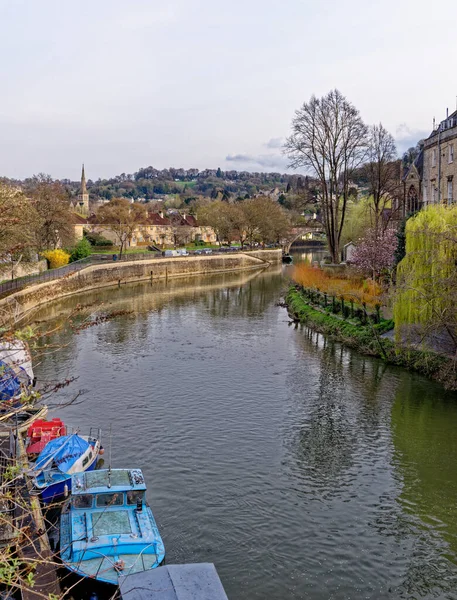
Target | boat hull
(56,491)
(106,571)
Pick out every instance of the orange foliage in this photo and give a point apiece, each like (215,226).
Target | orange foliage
(358,290)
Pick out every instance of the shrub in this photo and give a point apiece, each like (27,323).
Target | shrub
(81,250)
(347,288)
(96,239)
(56,258)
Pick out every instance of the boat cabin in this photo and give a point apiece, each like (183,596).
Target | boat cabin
(108,489)
(107,528)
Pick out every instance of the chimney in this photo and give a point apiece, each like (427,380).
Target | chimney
(161,214)
(184,216)
(447,113)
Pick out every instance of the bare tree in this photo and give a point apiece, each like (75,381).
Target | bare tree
(18,222)
(122,218)
(329,140)
(52,204)
(382,173)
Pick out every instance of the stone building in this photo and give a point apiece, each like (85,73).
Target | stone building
(157,229)
(432,177)
(440,163)
(412,186)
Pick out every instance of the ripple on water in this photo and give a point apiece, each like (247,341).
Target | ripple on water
(301,469)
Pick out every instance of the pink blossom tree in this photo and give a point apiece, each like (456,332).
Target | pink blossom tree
(375,252)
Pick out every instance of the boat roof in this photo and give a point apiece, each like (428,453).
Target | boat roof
(107,480)
(174,582)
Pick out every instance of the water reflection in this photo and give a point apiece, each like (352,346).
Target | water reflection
(302,469)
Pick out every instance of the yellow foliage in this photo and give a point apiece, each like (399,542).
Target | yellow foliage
(56,258)
(355,289)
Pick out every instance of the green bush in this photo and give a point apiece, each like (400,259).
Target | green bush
(96,239)
(82,249)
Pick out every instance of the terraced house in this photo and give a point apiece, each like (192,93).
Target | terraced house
(156,229)
(432,178)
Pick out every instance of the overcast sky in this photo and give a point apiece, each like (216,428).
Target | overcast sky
(121,84)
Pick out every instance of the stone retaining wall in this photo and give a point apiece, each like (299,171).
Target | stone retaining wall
(17,305)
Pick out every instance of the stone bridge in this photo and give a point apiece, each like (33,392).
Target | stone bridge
(313,227)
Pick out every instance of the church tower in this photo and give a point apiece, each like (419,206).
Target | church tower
(83,196)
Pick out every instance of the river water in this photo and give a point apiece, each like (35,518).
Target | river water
(301,469)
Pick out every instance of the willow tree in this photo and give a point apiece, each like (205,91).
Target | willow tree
(427,278)
(329,140)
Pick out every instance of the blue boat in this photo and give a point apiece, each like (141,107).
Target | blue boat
(107,529)
(59,459)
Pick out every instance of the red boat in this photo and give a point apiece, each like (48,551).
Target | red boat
(41,432)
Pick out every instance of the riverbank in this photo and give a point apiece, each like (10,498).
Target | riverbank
(368,339)
(16,306)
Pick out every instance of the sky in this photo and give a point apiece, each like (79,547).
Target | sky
(124,84)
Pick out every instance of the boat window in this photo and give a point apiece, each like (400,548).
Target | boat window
(82,501)
(85,461)
(134,495)
(110,499)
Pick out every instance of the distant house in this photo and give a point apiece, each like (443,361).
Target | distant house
(157,229)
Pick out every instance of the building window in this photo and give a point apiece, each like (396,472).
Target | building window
(451,153)
(434,157)
(449,191)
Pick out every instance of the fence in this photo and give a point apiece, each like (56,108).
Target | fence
(348,309)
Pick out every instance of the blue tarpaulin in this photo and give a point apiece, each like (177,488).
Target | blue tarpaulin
(10,385)
(174,582)
(64,451)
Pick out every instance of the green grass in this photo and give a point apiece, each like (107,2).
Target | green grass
(183,184)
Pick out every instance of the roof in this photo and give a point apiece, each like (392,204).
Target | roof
(174,582)
(101,480)
(418,164)
(157,219)
(79,219)
(191,220)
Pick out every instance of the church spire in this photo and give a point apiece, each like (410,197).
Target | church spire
(83,196)
(83,182)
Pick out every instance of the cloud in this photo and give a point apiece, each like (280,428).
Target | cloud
(267,161)
(405,137)
(275,143)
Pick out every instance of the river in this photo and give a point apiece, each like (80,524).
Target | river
(300,468)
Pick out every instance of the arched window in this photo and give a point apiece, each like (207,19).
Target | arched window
(413,199)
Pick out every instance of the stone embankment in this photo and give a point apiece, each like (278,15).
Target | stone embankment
(16,306)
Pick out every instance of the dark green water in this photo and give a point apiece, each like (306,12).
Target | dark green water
(301,469)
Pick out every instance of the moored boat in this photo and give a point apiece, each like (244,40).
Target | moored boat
(287,259)
(61,458)
(107,529)
(19,419)
(41,432)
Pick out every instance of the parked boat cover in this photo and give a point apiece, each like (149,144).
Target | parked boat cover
(10,386)
(63,451)
(174,582)
(15,368)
